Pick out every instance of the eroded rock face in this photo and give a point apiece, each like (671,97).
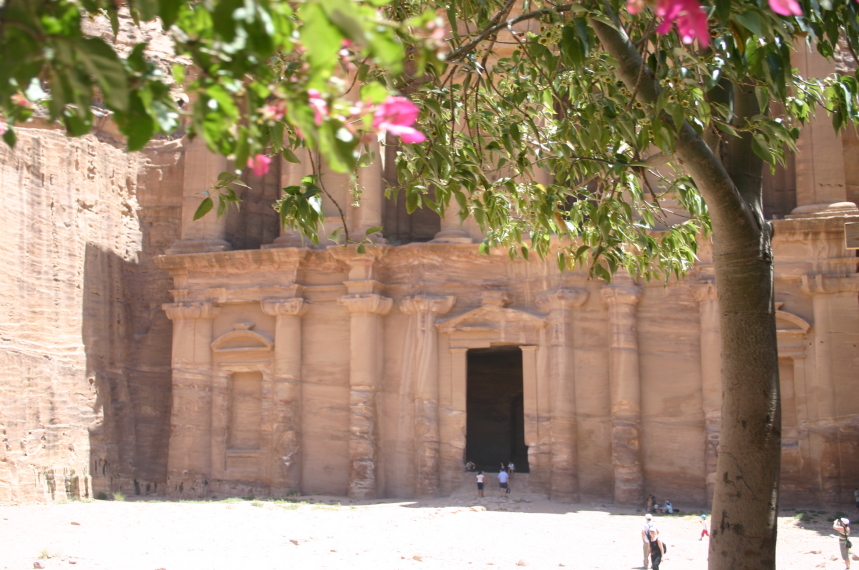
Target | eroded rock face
(82,349)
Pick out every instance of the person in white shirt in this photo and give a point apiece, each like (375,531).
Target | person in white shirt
(842,526)
(502,482)
(480,480)
(645,538)
(510,469)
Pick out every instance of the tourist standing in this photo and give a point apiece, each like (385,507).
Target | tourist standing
(480,480)
(856,497)
(657,549)
(510,469)
(645,538)
(502,482)
(842,527)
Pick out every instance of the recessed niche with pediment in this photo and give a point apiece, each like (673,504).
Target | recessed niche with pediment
(243,343)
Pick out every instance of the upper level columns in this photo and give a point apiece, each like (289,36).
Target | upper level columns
(821,185)
(372,186)
(424,369)
(202,168)
(291,174)
(711,378)
(560,304)
(188,462)
(625,390)
(286,456)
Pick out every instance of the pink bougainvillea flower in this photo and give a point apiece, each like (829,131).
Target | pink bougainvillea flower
(634,6)
(260,164)
(2,127)
(786,7)
(396,115)
(690,18)
(274,111)
(318,104)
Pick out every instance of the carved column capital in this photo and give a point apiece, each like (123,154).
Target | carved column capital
(822,284)
(294,306)
(548,301)
(190,310)
(366,303)
(620,295)
(427,303)
(705,291)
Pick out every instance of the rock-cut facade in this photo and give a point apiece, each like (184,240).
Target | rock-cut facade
(149,354)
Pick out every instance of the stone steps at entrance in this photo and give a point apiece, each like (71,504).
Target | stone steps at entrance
(519,485)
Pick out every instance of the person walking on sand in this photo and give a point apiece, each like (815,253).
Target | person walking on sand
(842,527)
(705,527)
(657,549)
(480,480)
(502,482)
(645,538)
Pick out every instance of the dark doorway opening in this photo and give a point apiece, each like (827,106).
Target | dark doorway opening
(495,414)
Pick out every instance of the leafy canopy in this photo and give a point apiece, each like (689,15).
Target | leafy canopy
(529,128)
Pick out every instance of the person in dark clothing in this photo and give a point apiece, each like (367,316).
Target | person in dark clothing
(657,549)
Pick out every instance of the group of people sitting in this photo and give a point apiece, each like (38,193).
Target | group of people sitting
(654,507)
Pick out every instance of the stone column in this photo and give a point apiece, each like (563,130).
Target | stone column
(821,186)
(369,212)
(452,230)
(290,175)
(836,330)
(453,420)
(711,379)
(286,431)
(189,453)
(202,168)
(564,478)
(424,366)
(365,370)
(625,389)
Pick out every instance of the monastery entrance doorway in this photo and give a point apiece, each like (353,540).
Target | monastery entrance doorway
(495,414)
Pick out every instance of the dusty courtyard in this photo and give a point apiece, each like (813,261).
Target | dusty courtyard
(331,532)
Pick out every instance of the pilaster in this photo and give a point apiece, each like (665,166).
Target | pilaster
(564,476)
(423,367)
(189,452)
(625,390)
(286,431)
(365,368)
(711,378)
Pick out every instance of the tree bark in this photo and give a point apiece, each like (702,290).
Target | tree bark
(745,505)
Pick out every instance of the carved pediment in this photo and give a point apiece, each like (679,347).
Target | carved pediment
(788,324)
(492,317)
(242,340)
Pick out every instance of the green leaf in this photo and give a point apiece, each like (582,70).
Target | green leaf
(751,21)
(289,156)
(10,137)
(761,148)
(204,208)
(373,230)
(101,62)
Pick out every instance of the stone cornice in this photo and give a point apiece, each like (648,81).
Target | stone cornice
(233,261)
(196,310)
(427,303)
(816,284)
(375,304)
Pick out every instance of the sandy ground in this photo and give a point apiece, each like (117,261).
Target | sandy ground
(331,532)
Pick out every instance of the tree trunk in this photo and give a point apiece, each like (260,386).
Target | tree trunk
(745,505)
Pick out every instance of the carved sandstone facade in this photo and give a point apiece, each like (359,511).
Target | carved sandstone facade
(149,354)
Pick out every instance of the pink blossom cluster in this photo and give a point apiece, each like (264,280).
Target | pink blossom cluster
(395,115)
(691,19)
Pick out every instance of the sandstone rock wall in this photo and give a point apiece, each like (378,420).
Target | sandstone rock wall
(82,337)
